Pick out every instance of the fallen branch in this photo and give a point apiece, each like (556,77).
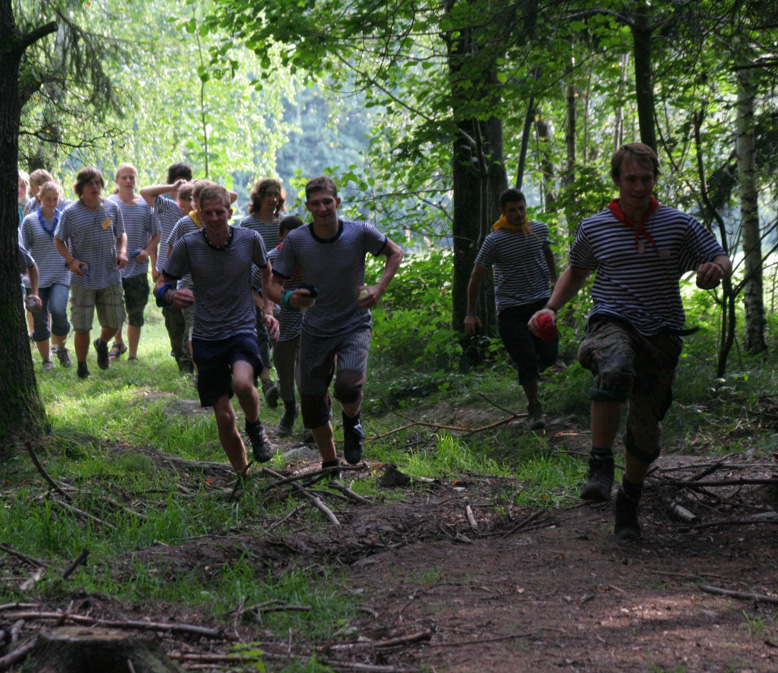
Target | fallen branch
(380,644)
(18,655)
(35,563)
(82,514)
(81,558)
(45,474)
(276,524)
(348,492)
(743,595)
(281,480)
(32,579)
(118,624)
(679,511)
(722,482)
(306,494)
(470,518)
(195,464)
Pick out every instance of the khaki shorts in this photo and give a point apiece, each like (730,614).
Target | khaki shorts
(109,303)
(629,366)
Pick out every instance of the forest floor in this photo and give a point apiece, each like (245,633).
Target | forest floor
(451,577)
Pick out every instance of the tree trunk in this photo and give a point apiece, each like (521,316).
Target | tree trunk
(644,85)
(21,412)
(546,164)
(753,290)
(570,122)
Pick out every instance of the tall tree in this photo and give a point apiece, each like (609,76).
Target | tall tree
(22,412)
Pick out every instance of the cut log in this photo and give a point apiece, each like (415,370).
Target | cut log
(74,649)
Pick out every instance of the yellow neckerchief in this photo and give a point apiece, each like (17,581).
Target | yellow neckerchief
(195,218)
(525,226)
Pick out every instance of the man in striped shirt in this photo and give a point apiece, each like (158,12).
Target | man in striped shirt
(142,239)
(330,254)
(224,336)
(169,209)
(524,268)
(639,249)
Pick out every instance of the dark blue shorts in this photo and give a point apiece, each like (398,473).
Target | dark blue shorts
(214,360)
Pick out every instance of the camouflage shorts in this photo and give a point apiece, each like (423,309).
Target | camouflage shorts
(136,296)
(629,366)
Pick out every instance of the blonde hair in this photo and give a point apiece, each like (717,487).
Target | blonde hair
(37,178)
(125,167)
(47,187)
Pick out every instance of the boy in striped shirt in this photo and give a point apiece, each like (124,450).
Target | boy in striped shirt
(639,249)
(524,270)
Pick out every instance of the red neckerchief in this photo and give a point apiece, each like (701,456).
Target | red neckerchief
(640,227)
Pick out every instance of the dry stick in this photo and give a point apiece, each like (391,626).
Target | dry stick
(350,493)
(280,481)
(117,624)
(522,524)
(424,423)
(722,482)
(35,563)
(744,595)
(82,513)
(734,522)
(32,579)
(470,518)
(465,643)
(81,558)
(18,655)
(45,474)
(276,524)
(18,606)
(391,642)
(316,501)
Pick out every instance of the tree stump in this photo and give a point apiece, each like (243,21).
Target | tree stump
(75,649)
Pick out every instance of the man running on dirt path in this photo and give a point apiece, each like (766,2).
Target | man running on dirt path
(224,338)
(524,266)
(330,255)
(639,249)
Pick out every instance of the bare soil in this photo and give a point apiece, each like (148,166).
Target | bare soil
(513,589)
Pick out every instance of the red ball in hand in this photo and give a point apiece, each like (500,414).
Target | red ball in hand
(547,327)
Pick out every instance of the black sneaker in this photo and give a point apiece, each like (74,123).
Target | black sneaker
(353,442)
(64,357)
(103,361)
(83,370)
(262,448)
(535,417)
(270,392)
(286,424)
(627,526)
(598,488)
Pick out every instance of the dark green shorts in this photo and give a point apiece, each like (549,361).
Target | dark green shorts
(136,296)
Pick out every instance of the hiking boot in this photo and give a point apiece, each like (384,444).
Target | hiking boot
(353,440)
(263,450)
(535,417)
(270,392)
(64,357)
(627,526)
(598,488)
(335,474)
(83,370)
(48,365)
(103,361)
(185,367)
(286,424)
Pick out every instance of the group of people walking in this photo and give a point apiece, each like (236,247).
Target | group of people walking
(228,292)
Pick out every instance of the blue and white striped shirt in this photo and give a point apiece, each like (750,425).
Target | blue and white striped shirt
(37,235)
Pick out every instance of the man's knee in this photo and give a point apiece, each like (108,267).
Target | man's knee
(648,451)
(315,410)
(348,385)
(613,381)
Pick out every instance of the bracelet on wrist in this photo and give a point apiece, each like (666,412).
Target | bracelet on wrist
(550,308)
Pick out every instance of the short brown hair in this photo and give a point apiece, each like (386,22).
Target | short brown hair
(185,191)
(288,223)
(258,193)
(199,185)
(322,183)
(640,153)
(85,176)
(49,185)
(214,192)
(37,178)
